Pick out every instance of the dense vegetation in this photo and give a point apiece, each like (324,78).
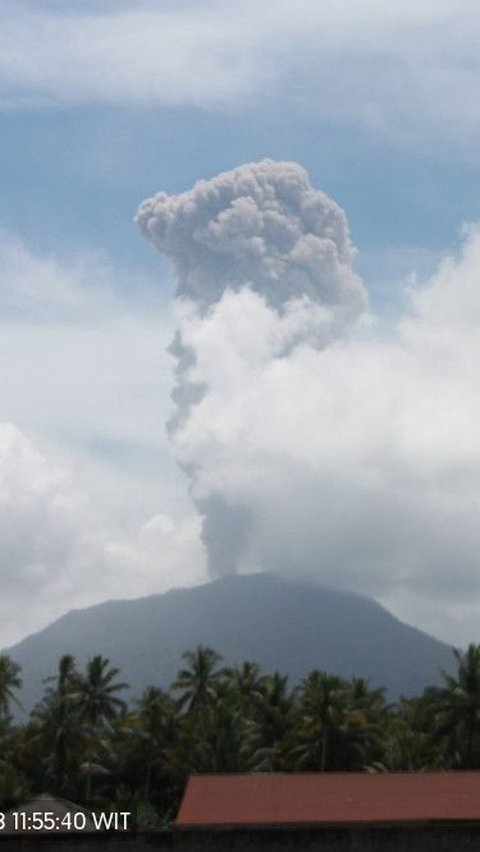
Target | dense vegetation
(84,743)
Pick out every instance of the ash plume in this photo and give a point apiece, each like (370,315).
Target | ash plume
(263,225)
(260,247)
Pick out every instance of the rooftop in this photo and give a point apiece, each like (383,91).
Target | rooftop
(329,798)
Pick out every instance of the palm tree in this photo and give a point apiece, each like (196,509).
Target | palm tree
(211,739)
(221,731)
(57,725)
(407,735)
(404,748)
(9,682)
(197,681)
(458,709)
(365,720)
(98,706)
(247,683)
(153,730)
(97,701)
(362,696)
(323,706)
(272,725)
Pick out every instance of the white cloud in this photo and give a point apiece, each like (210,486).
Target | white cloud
(49,539)
(398,69)
(82,350)
(351,456)
(85,470)
(38,288)
(357,464)
(58,552)
(137,55)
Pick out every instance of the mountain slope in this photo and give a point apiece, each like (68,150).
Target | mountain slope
(286,625)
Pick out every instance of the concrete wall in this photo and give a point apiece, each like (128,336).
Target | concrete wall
(416,839)
(54,843)
(452,838)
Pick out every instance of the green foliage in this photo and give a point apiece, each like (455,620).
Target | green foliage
(83,742)
(457,722)
(10,681)
(56,728)
(196,682)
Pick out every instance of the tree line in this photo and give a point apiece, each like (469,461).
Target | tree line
(84,742)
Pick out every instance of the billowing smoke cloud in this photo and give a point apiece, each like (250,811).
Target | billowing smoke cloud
(262,225)
(352,457)
(263,235)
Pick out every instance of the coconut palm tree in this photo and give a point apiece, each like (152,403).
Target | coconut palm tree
(153,719)
(98,706)
(10,681)
(213,738)
(363,729)
(96,693)
(458,710)
(221,731)
(56,726)
(268,735)
(247,683)
(197,681)
(323,708)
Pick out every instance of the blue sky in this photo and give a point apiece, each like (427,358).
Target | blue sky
(101,105)
(74,176)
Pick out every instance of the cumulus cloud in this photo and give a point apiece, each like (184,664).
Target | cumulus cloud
(58,316)
(49,539)
(38,289)
(57,551)
(354,460)
(83,466)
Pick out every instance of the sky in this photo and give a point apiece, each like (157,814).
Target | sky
(239,301)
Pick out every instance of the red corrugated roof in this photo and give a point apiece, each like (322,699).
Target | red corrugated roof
(340,797)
